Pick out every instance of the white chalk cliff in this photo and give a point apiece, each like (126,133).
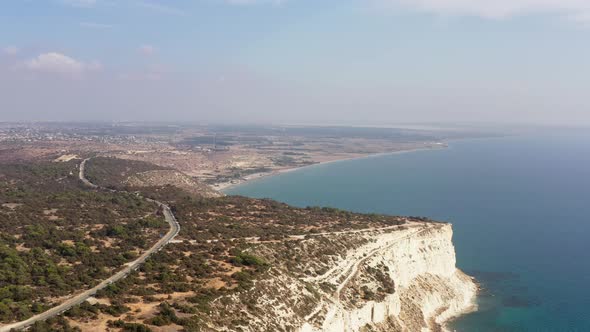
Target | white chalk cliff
(391,279)
(429,289)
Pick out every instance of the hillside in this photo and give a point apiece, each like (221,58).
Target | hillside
(122,174)
(242,264)
(57,238)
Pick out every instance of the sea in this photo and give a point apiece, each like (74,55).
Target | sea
(520,209)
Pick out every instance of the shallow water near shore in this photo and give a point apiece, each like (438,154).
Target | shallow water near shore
(520,207)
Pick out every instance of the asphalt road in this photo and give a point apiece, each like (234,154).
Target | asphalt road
(129,267)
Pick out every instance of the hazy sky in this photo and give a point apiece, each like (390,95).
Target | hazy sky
(296,61)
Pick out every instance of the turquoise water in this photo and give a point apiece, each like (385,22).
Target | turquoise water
(520,207)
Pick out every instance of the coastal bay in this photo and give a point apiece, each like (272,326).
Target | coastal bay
(499,194)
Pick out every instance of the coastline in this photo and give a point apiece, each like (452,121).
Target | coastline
(445,321)
(473,307)
(222,186)
(470,308)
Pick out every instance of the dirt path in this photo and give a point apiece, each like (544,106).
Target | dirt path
(351,268)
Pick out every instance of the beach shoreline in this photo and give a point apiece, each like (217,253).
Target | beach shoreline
(445,322)
(226,185)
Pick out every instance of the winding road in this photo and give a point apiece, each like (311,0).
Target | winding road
(129,267)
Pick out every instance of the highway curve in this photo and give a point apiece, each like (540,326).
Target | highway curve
(129,267)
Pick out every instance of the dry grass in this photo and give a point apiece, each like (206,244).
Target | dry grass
(11,206)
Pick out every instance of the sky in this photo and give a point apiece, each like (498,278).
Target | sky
(360,62)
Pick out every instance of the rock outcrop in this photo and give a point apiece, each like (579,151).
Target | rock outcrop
(400,278)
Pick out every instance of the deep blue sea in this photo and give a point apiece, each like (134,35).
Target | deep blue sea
(520,207)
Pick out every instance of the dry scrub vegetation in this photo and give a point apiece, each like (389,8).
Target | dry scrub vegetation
(226,250)
(57,238)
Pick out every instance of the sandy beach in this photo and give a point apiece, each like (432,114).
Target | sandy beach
(221,186)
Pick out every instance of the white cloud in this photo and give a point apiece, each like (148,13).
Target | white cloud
(10,50)
(58,63)
(497,9)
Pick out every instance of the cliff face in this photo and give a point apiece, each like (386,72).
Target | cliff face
(399,278)
(428,287)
